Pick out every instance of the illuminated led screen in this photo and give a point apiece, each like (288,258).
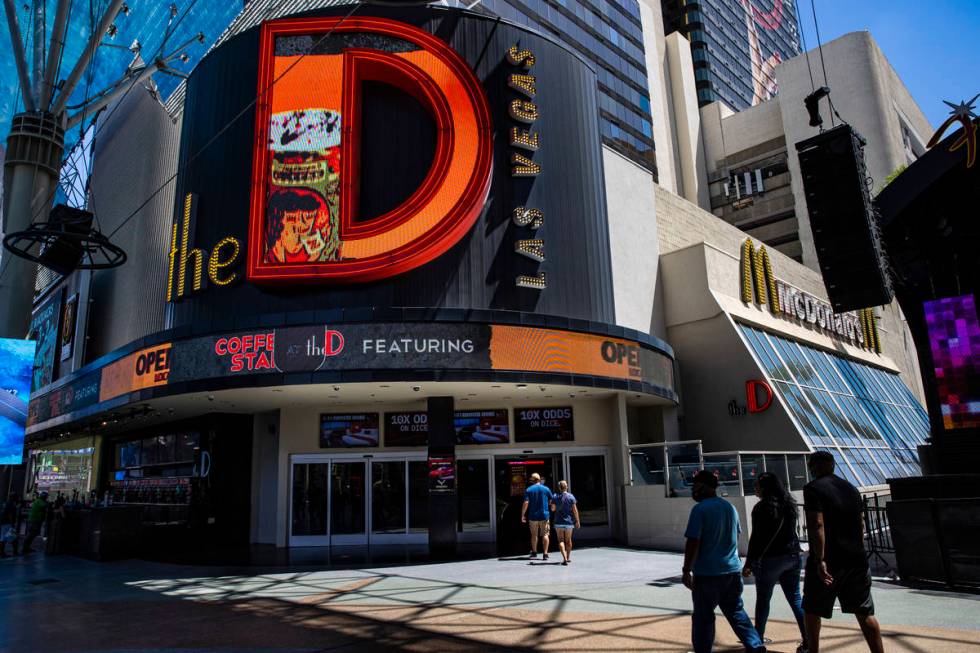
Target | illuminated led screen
(16,366)
(411,429)
(482,427)
(307,220)
(954,338)
(349,430)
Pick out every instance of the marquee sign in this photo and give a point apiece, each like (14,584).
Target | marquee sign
(304,216)
(758,284)
(360,347)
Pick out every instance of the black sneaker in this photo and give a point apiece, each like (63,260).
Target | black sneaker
(534,554)
(544,557)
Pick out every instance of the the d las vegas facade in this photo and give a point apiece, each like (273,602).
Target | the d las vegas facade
(409,276)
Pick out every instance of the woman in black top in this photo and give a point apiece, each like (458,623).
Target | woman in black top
(774,551)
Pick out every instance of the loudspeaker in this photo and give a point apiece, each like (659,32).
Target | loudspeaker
(62,252)
(843,220)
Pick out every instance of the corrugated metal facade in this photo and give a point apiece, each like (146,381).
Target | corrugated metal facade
(135,155)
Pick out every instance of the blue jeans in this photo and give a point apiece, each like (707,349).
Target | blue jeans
(724,592)
(784,570)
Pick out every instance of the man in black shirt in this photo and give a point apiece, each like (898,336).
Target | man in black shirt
(837,567)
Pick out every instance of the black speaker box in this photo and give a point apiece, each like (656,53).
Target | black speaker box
(843,220)
(63,252)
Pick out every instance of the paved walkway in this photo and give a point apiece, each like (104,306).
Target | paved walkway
(608,600)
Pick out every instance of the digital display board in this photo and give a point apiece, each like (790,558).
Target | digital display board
(348,430)
(305,219)
(361,347)
(954,338)
(16,367)
(543,424)
(442,475)
(409,429)
(482,427)
(45,329)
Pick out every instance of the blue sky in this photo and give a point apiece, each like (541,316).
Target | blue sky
(934,46)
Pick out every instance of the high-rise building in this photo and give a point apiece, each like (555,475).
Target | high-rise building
(609,35)
(736,45)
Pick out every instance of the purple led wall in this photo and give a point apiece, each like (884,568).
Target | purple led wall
(954,337)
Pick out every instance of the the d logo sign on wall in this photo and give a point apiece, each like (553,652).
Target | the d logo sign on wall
(304,207)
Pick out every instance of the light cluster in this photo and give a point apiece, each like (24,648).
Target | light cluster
(180,252)
(525,111)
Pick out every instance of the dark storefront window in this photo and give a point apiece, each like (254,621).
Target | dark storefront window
(167,456)
(310,499)
(587,479)
(388,497)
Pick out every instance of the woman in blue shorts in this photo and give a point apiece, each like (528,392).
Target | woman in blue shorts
(566,518)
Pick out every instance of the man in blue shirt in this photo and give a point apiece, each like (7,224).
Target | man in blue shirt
(535,513)
(711,553)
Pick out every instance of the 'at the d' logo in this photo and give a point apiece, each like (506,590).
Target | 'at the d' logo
(304,221)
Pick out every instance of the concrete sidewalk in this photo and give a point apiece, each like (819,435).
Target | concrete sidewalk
(608,599)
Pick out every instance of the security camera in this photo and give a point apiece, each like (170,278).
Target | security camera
(416,388)
(210,397)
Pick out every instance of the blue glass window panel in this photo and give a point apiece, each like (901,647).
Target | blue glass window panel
(804,415)
(828,413)
(771,365)
(845,470)
(856,385)
(828,371)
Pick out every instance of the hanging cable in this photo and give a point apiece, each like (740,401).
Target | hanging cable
(823,64)
(233,120)
(210,141)
(799,23)
(89,74)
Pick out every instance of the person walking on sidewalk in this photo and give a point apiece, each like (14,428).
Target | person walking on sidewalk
(9,523)
(565,507)
(711,553)
(535,513)
(837,567)
(35,520)
(774,552)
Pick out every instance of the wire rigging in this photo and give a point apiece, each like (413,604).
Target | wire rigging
(232,121)
(799,20)
(94,13)
(210,141)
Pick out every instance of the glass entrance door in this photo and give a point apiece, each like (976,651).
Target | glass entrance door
(308,507)
(587,481)
(473,495)
(512,476)
(338,501)
(348,503)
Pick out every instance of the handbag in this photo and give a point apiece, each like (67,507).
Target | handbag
(762,555)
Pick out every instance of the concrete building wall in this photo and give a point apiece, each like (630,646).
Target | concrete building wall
(867,93)
(692,176)
(635,246)
(658,82)
(265,472)
(742,131)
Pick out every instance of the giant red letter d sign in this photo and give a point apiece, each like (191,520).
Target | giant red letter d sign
(304,222)
(752,390)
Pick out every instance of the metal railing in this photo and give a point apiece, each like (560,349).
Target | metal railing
(877,531)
